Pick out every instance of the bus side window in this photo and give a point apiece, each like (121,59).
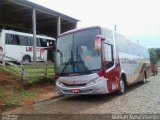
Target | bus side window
(108,51)
(40,42)
(50,43)
(26,40)
(31,41)
(15,40)
(8,38)
(43,42)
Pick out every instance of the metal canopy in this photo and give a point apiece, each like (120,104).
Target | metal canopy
(26,16)
(17,15)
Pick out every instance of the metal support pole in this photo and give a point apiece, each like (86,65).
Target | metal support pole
(58,26)
(115,28)
(34,34)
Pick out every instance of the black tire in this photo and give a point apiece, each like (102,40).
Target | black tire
(144,78)
(156,73)
(153,74)
(122,87)
(26,59)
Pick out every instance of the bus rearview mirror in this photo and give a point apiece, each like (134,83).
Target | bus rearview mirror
(98,40)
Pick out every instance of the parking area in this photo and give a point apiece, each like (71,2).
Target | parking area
(139,99)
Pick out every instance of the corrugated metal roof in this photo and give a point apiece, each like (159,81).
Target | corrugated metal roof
(17,14)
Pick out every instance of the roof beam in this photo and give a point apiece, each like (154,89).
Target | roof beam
(46,17)
(18,10)
(3,2)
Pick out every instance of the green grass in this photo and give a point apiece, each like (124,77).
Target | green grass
(24,93)
(2,95)
(13,101)
(8,98)
(11,95)
(38,71)
(15,97)
(32,73)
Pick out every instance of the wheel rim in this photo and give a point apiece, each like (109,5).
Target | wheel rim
(122,86)
(26,59)
(144,79)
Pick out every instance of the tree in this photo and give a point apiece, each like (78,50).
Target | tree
(153,55)
(157,50)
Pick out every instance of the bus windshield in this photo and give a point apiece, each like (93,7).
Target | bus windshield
(76,53)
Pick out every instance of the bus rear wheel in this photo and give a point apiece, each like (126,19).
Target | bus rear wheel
(26,59)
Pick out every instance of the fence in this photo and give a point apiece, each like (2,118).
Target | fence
(35,71)
(27,72)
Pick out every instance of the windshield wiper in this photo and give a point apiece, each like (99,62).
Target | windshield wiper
(70,60)
(80,60)
(66,64)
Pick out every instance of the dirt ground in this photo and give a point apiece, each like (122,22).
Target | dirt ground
(13,95)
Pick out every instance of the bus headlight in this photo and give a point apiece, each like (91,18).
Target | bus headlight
(59,83)
(92,82)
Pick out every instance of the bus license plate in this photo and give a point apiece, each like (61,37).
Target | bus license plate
(75,90)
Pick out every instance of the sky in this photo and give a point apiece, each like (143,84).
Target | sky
(137,19)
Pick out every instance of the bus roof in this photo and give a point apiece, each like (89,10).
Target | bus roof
(27,34)
(100,27)
(78,29)
(130,39)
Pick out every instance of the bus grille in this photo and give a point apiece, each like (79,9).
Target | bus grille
(74,85)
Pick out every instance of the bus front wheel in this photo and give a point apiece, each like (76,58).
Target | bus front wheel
(122,87)
(144,78)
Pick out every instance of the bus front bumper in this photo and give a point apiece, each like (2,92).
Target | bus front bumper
(99,87)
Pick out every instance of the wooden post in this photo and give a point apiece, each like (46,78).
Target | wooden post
(22,73)
(46,70)
(3,60)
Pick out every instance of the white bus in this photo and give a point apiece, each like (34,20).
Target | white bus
(96,60)
(19,45)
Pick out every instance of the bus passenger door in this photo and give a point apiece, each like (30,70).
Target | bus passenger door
(111,72)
